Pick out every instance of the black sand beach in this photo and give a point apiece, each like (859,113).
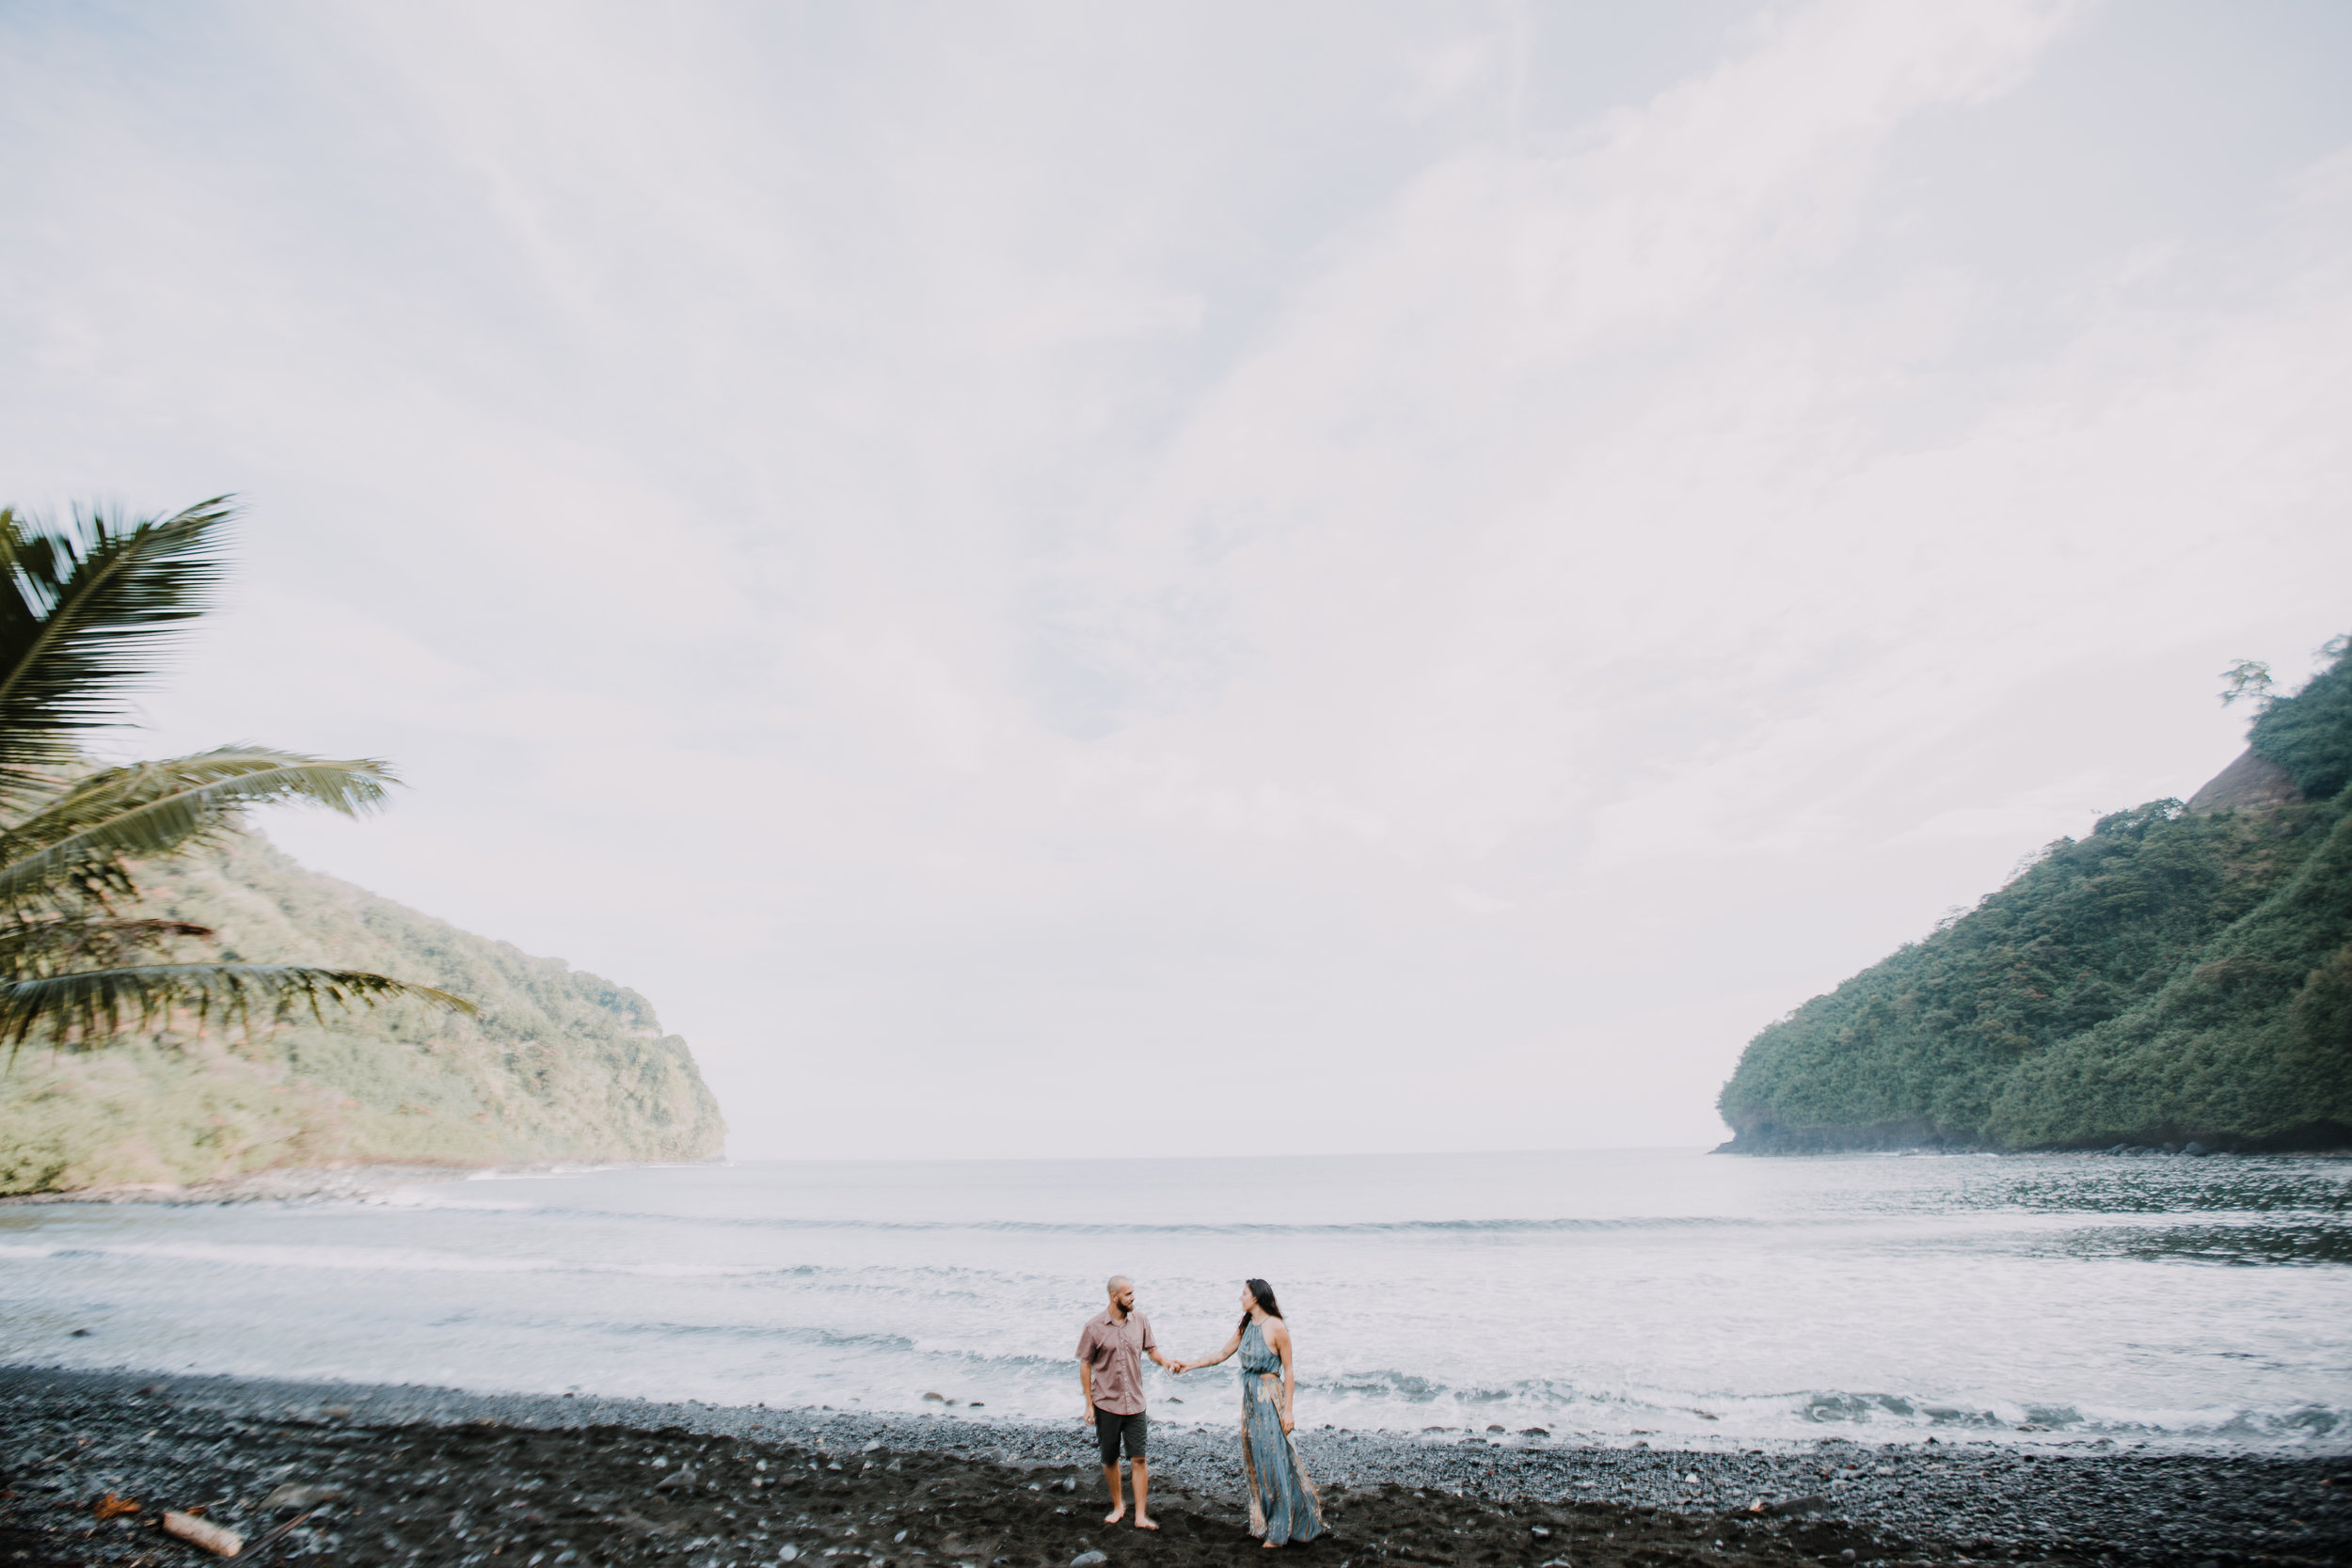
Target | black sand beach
(407,1474)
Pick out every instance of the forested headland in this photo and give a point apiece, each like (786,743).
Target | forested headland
(2182,975)
(556,1064)
(158,960)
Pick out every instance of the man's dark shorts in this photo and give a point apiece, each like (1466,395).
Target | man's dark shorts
(1110,1426)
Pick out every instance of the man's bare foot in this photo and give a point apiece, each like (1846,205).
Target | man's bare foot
(1145,1521)
(1116,1515)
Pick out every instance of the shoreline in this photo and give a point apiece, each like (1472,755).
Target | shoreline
(1890,1503)
(1905,1138)
(323,1183)
(290,1184)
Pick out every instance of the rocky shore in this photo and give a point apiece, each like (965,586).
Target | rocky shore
(314,1183)
(292,1185)
(368,1475)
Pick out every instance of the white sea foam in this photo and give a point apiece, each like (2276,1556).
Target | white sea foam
(401,1261)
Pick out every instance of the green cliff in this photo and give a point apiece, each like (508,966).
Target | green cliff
(2183,975)
(558,1064)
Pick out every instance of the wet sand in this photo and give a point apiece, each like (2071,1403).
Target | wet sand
(408,1474)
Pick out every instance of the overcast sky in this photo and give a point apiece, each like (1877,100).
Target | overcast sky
(1068,579)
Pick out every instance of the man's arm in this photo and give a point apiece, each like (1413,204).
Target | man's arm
(1151,1346)
(1086,1384)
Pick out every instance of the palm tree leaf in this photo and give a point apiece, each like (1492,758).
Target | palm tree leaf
(32,948)
(82,614)
(147,809)
(87,1009)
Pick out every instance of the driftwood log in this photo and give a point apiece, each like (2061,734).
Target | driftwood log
(200,1532)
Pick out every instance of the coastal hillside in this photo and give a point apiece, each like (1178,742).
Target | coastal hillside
(557,1065)
(2183,975)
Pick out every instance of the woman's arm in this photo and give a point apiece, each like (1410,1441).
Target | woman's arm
(1230,1346)
(1283,1346)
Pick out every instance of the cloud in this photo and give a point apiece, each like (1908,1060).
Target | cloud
(1447,567)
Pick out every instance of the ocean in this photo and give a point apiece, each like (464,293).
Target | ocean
(1658,1296)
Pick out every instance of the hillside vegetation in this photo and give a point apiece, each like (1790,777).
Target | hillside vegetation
(557,1065)
(2179,975)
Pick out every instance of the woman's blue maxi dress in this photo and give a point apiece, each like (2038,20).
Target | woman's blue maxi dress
(1282,1503)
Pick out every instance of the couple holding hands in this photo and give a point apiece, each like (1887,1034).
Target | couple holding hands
(1111,1347)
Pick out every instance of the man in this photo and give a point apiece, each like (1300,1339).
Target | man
(1111,1348)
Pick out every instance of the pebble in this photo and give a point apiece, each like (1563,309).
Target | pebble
(2009,1498)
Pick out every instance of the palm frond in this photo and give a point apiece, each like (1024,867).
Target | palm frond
(79,839)
(84,611)
(34,948)
(89,1007)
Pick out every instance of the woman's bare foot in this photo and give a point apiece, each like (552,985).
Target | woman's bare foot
(1115,1515)
(1145,1521)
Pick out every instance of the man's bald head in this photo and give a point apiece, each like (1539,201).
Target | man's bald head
(1119,1282)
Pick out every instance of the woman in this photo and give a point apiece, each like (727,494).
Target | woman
(1282,1503)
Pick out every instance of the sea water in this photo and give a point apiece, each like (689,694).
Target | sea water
(1660,1296)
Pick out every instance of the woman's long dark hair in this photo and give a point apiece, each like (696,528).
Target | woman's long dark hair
(1264,1292)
